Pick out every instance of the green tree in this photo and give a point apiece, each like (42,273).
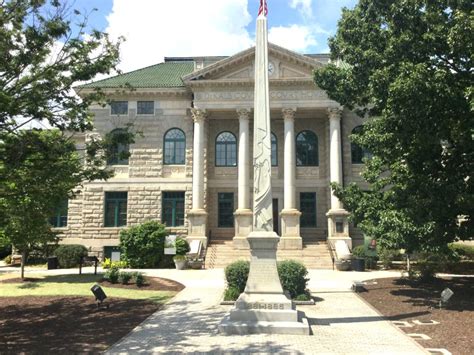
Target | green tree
(46,47)
(407,67)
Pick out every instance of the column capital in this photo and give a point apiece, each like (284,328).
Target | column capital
(289,113)
(198,114)
(243,113)
(334,113)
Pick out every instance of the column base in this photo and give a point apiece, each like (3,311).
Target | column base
(243,227)
(197,229)
(290,230)
(338,226)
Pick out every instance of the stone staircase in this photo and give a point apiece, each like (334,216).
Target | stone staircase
(314,255)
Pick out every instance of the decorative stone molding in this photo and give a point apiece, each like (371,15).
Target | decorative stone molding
(289,113)
(243,113)
(334,113)
(198,114)
(189,162)
(248,95)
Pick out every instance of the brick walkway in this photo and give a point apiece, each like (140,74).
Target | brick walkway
(341,322)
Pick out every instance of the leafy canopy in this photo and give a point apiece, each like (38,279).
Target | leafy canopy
(407,67)
(46,47)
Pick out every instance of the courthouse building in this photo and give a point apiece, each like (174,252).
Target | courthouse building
(192,167)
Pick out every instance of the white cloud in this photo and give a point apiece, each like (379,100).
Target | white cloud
(294,37)
(155,29)
(303,6)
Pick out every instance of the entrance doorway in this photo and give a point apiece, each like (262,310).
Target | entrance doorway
(276,217)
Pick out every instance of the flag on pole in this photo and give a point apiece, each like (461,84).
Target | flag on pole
(263,8)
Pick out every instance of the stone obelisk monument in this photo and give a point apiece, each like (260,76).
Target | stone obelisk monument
(263,307)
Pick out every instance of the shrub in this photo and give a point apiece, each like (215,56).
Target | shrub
(112,275)
(231,294)
(359,251)
(293,277)
(464,251)
(303,297)
(237,274)
(179,257)
(69,255)
(125,277)
(8,259)
(139,279)
(5,250)
(107,263)
(182,246)
(142,246)
(428,264)
(387,256)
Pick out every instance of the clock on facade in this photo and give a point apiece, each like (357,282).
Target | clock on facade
(271,68)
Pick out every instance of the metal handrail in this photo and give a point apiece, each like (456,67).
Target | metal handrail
(206,248)
(331,252)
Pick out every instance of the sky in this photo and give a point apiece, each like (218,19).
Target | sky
(155,29)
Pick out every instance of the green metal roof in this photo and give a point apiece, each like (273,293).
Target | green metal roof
(163,75)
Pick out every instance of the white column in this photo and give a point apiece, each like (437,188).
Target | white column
(335,154)
(290,216)
(289,159)
(199,117)
(244,159)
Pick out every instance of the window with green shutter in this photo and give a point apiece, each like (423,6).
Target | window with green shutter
(173,208)
(115,209)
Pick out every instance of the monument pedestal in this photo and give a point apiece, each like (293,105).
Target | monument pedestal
(243,227)
(290,230)
(263,307)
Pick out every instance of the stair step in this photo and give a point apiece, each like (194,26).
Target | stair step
(314,255)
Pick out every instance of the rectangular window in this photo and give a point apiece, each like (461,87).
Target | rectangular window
(119,108)
(145,107)
(115,209)
(225,202)
(173,208)
(59,218)
(308,209)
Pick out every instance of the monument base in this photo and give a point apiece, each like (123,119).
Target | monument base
(263,327)
(263,307)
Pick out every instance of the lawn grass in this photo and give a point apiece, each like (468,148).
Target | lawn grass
(74,285)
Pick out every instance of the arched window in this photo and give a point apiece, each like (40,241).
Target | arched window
(307,149)
(118,153)
(274,150)
(357,152)
(226,149)
(175,147)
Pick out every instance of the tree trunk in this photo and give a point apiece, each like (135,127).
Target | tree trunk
(23,262)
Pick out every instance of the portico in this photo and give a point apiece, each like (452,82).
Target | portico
(225,104)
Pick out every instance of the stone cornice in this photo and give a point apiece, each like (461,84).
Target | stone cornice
(160,92)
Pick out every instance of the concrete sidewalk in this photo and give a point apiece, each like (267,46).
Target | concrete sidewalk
(340,321)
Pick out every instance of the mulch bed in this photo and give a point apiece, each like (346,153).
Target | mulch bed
(151,283)
(45,324)
(405,300)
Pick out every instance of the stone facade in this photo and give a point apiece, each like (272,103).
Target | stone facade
(217,91)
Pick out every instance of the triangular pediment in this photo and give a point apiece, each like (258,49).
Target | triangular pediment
(240,67)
